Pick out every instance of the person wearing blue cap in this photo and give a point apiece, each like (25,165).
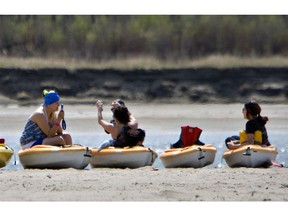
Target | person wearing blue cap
(43,125)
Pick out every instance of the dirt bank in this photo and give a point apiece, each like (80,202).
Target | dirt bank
(191,85)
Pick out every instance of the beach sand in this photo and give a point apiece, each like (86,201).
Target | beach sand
(146,184)
(143,184)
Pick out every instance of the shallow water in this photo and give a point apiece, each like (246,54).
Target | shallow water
(159,142)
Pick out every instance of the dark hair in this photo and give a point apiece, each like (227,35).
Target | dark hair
(122,114)
(134,136)
(130,137)
(121,102)
(254,109)
(141,134)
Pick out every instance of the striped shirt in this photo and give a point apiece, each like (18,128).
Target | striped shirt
(32,132)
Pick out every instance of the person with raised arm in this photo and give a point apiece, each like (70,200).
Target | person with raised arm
(121,133)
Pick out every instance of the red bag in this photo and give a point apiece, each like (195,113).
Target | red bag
(190,135)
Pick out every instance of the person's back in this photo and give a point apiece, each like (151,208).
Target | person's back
(133,123)
(254,125)
(121,116)
(252,112)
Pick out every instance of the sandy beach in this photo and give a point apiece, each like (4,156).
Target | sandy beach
(146,184)
(143,184)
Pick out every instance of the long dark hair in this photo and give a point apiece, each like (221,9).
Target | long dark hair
(254,109)
(122,114)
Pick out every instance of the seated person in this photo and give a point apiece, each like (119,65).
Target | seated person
(122,135)
(133,123)
(43,125)
(254,126)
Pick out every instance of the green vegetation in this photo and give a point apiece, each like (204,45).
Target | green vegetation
(145,41)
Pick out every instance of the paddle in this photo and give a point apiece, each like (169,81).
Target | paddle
(14,155)
(63,120)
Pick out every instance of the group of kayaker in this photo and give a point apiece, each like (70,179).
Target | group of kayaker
(43,126)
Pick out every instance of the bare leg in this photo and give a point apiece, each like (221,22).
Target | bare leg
(67,138)
(274,163)
(57,140)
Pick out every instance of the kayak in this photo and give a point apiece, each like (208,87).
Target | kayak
(126,157)
(5,154)
(54,157)
(196,156)
(254,156)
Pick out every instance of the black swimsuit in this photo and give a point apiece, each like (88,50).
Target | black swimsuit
(254,125)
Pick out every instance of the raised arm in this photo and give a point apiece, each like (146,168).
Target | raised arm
(106,125)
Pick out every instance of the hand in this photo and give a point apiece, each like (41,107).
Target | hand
(99,105)
(233,144)
(61,115)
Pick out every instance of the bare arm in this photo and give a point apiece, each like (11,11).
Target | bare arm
(106,125)
(55,120)
(234,144)
(40,120)
(133,123)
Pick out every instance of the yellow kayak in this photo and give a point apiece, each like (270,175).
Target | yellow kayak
(250,155)
(196,156)
(126,157)
(54,157)
(5,154)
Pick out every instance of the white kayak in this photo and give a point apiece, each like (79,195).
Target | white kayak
(134,157)
(253,156)
(195,156)
(54,157)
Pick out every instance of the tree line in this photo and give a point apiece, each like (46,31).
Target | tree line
(102,37)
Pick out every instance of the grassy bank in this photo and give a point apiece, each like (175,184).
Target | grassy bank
(213,61)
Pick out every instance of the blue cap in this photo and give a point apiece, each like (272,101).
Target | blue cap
(51,97)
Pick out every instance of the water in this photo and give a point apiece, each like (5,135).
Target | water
(159,142)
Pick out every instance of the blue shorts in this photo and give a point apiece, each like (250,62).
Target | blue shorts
(38,142)
(31,144)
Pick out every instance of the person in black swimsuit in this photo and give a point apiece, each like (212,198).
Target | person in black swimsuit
(251,111)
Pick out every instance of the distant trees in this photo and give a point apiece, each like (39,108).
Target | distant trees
(162,36)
